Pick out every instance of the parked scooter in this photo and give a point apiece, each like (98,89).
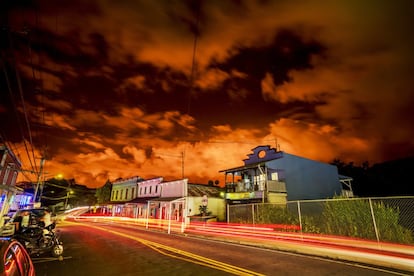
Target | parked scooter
(39,239)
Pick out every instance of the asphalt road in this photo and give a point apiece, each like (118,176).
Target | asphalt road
(109,249)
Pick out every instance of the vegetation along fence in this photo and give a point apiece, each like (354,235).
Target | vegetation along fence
(389,219)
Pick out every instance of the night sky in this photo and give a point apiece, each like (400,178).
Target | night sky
(123,88)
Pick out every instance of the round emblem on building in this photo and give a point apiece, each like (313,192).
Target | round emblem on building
(261,154)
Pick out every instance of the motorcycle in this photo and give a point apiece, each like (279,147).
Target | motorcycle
(39,239)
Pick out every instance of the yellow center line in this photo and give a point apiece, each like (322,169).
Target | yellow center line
(233,271)
(197,259)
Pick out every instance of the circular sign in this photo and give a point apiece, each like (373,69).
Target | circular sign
(262,154)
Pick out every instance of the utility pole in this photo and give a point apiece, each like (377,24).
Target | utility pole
(182,155)
(39,175)
(182,164)
(67,194)
(277,144)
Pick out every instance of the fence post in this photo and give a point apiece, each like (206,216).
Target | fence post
(169,218)
(228,213)
(184,216)
(147,214)
(373,220)
(300,218)
(253,213)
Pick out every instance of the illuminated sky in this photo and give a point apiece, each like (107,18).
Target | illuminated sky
(107,85)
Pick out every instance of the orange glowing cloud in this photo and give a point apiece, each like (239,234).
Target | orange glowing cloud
(113,93)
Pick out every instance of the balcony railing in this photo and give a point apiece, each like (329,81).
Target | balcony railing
(274,186)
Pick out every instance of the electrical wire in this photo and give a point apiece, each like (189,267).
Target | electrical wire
(20,89)
(15,109)
(13,63)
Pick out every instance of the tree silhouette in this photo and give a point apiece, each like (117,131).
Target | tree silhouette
(103,194)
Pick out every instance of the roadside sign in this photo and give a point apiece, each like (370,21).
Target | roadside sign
(204,200)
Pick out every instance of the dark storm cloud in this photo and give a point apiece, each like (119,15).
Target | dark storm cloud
(288,51)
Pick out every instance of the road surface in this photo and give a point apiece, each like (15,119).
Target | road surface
(113,249)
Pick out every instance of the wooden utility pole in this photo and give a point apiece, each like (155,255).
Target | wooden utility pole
(67,194)
(39,176)
(182,164)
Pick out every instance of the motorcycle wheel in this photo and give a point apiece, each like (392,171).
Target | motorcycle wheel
(57,250)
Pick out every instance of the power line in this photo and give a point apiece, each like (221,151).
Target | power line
(182,155)
(6,75)
(19,84)
(193,63)
(30,152)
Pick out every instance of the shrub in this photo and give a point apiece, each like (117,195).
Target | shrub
(274,214)
(353,218)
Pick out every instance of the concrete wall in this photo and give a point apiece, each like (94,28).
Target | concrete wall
(276,198)
(217,207)
(150,187)
(177,188)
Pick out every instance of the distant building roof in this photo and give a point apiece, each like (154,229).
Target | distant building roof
(198,190)
(344,177)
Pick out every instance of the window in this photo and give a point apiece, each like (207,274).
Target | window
(126,194)
(122,192)
(150,189)
(116,195)
(140,190)
(260,180)
(133,193)
(156,188)
(145,190)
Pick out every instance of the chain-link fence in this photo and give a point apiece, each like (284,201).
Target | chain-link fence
(389,219)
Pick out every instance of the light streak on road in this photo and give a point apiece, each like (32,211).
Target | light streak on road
(357,250)
(181,254)
(267,233)
(261,231)
(390,255)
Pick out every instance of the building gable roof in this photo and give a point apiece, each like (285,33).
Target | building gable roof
(262,154)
